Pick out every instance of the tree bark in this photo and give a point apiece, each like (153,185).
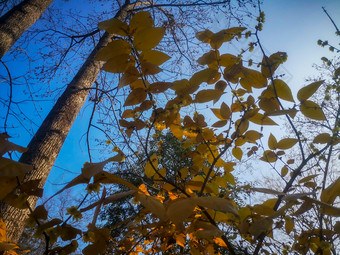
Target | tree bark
(47,142)
(16,21)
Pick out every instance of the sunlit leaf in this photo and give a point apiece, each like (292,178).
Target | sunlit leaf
(114,26)
(112,49)
(254,78)
(136,96)
(154,57)
(307,91)
(286,143)
(140,21)
(108,178)
(312,110)
(272,142)
(151,166)
(237,153)
(207,95)
(91,169)
(148,38)
(322,138)
(269,65)
(218,204)
(283,91)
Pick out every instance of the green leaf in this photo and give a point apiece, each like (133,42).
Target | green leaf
(307,91)
(312,110)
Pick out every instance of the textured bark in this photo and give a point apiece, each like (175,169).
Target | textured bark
(47,142)
(16,21)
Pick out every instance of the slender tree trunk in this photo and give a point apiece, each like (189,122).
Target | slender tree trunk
(47,142)
(16,21)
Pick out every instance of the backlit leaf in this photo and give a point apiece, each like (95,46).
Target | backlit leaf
(260,119)
(283,91)
(227,60)
(312,110)
(112,49)
(272,142)
(323,138)
(284,171)
(237,153)
(159,87)
(118,64)
(108,178)
(254,78)
(150,69)
(269,65)
(269,156)
(180,209)
(218,204)
(252,136)
(152,204)
(208,75)
(307,91)
(151,166)
(148,38)
(114,26)
(136,96)
(286,143)
(289,225)
(9,168)
(207,95)
(140,21)
(204,36)
(6,146)
(154,57)
(260,226)
(209,58)
(329,194)
(130,76)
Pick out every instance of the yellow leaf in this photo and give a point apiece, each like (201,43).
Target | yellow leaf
(180,209)
(131,75)
(225,111)
(220,242)
(284,171)
(254,78)
(209,58)
(152,204)
(218,204)
(312,110)
(140,21)
(260,226)
(233,73)
(118,64)
(159,87)
(322,138)
(112,49)
(154,57)
(283,91)
(91,169)
(208,75)
(6,146)
(148,38)
(272,142)
(217,113)
(307,91)
(204,36)
(331,192)
(136,96)
(228,60)
(151,166)
(8,246)
(286,143)
(268,67)
(269,156)
(114,26)
(252,136)
(289,225)
(177,131)
(150,69)
(11,168)
(225,35)
(237,153)
(221,85)
(108,178)
(260,119)
(207,95)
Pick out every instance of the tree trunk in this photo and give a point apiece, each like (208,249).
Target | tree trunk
(47,142)
(16,21)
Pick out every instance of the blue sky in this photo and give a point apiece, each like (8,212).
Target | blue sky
(291,26)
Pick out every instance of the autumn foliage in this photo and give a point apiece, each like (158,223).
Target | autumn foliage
(194,211)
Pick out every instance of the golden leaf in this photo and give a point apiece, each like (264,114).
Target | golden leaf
(6,146)
(323,138)
(260,119)
(284,171)
(329,194)
(286,143)
(237,153)
(136,96)
(112,49)
(154,57)
(140,21)
(209,58)
(108,178)
(269,66)
(180,209)
(269,156)
(227,60)
(150,69)
(91,169)
(252,136)
(254,78)
(260,226)
(283,91)
(159,87)
(225,111)
(208,75)
(307,91)
(220,123)
(272,142)
(221,85)
(152,204)
(148,38)
(289,225)
(217,204)
(207,95)
(151,167)
(118,64)
(312,110)
(131,75)
(11,168)
(204,36)
(114,26)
